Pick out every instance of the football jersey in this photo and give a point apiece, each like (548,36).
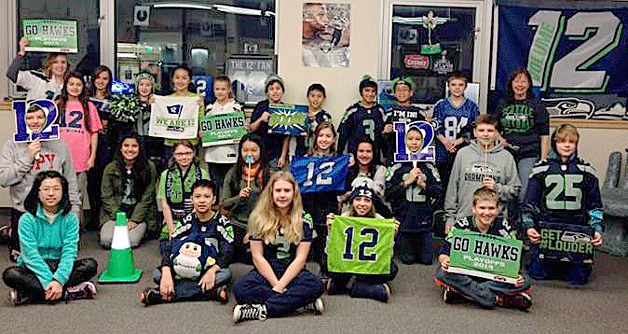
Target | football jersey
(359,123)
(282,252)
(452,122)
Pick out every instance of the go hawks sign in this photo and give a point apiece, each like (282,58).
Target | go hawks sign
(484,255)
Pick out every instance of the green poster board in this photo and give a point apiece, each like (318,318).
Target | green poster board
(288,119)
(484,255)
(361,245)
(51,35)
(222,129)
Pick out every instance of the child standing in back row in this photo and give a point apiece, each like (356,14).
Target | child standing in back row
(452,120)
(222,157)
(316,97)
(363,120)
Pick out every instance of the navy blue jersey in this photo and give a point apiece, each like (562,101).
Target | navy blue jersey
(198,245)
(413,206)
(273,143)
(566,193)
(500,227)
(522,123)
(453,123)
(304,144)
(399,113)
(281,253)
(359,123)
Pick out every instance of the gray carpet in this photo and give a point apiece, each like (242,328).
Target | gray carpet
(416,307)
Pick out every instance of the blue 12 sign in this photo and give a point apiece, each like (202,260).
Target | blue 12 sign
(414,141)
(25,132)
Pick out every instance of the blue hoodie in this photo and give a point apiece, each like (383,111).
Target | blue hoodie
(566,193)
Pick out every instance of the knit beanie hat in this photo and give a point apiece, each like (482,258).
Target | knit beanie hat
(367,81)
(272,79)
(363,190)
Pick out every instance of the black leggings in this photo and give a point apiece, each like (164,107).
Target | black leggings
(24,280)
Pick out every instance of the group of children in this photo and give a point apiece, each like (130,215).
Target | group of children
(252,210)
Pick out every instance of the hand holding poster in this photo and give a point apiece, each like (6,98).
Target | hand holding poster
(320,174)
(222,129)
(51,35)
(361,245)
(566,243)
(288,119)
(414,141)
(35,120)
(174,117)
(484,255)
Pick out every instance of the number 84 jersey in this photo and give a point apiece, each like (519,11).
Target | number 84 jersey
(563,193)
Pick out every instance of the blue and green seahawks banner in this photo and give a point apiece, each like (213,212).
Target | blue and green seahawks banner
(361,245)
(51,35)
(288,119)
(320,174)
(574,51)
(222,129)
(565,242)
(484,255)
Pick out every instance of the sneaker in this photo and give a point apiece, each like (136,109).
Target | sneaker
(18,298)
(318,306)
(521,301)
(150,297)
(221,294)
(387,291)
(451,296)
(248,312)
(85,290)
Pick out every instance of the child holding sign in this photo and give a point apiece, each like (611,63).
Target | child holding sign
(20,163)
(195,265)
(281,235)
(241,187)
(412,188)
(46,85)
(276,154)
(577,203)
(222,157)
(363,286)
(486,293)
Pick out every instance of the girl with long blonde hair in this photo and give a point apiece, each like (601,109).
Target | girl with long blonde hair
(280,238)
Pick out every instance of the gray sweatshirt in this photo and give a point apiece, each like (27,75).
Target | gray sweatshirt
(467,174)
(18,169)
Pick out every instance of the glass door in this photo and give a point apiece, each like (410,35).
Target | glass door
(430,41)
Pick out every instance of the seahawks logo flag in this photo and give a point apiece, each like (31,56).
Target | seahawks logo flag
(174,117)
(320,174)
(361,245)
(565,243)
(483,255)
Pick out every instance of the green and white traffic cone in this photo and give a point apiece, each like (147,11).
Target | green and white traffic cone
(121,267)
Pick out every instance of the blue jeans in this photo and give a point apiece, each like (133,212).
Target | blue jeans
(362,286)
(415,247)
(483,293)
(186,289)
(524,168)
(573,273)
(253,288)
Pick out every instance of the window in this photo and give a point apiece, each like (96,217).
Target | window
(159,35)
(85,12)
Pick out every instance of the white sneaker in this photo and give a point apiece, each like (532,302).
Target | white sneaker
(318,306)
(248,312)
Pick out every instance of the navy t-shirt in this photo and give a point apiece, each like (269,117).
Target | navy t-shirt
(282,252)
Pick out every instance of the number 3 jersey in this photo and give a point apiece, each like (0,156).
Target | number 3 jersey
(359,123)
(565,193)
(197,245)
(413,205)
(282,252)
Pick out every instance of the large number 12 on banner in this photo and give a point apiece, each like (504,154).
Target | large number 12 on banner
(320,174)
(361,245)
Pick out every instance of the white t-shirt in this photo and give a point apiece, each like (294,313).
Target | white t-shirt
(38,86)
(222,154)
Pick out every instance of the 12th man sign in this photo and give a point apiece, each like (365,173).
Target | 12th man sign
(484,255)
